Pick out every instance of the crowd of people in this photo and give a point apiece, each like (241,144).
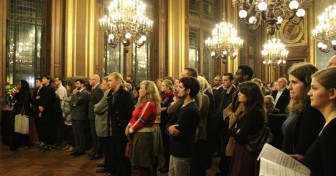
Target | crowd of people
(187,121)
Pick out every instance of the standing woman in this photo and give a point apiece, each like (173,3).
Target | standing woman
(22,105)
(167,96)
(140,127)
(320,156)
(66,108)
(304,122)
(244,162)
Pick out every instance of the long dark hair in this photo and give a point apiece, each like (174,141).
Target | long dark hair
(255,98)
(303,72)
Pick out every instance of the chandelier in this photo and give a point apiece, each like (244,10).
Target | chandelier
(271,12)
(126,23)
(224,42)
(274,53)
(325,31)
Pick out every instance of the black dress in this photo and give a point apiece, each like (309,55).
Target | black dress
(320,157)
(301,131)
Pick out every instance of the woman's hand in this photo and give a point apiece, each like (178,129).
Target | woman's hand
(297,157)
(127,133)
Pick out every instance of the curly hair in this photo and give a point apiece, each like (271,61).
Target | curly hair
(152,94)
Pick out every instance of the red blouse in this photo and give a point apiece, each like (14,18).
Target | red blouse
(143,116)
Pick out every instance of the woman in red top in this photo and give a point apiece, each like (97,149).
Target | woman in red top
(140,131)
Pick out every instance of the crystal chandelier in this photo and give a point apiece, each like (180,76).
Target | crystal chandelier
(325,31)
(224,42)
(126,23)
(272,12)
(274,53)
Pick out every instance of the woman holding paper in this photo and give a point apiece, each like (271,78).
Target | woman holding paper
(244,162)
(320,157)
(304,122)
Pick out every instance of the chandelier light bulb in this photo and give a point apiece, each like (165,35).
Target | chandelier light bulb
(333,42)
(319,45)
(143,38)
(294,5)
(264,62)
(300,13)
(280,20)
(252,20)
(262,6)
(242,13)
(225,52)
(213,53)
(128,35)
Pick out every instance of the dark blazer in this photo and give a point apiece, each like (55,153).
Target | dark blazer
(283,101)
(79,105)
(216,93)
(120,108)
(95,96)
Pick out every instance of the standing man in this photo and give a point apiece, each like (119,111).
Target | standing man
(182,128)
(47,113)
(281,96)
(120,108)
(61,92)
(79,108)
(95,96)
(217,88)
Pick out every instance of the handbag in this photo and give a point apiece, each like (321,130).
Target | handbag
(256,142)
(128,149)
(21,123)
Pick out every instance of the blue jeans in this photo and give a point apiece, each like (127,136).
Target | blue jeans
(179,166)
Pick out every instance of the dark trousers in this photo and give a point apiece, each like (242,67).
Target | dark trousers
(197,162)
(94,138)
(48,132)
(120,164)
(68,134)
(106,151)
(79,130)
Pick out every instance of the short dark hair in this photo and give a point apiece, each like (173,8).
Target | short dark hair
(192,84)
(247,70)
(59,78)
(191,71)
(80,81)
(230,75)
(40,79)
(48,77)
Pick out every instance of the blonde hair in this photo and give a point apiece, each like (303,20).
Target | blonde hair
(152,94)
(168,83)
(203,82)
(118,77)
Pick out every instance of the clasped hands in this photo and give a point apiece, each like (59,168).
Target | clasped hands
(173,131)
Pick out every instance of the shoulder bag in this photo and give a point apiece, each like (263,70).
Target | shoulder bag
(21,123)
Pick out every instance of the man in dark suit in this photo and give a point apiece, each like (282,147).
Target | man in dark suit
(120,108)
(281,96)
(79,115)
(95,96)
(217,88)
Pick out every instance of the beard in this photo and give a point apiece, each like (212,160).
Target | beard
(182,96)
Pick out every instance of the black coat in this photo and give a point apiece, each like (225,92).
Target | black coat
(95,96)
(47,101)
(120,110)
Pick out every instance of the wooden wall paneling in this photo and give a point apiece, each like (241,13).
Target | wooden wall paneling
(57,38)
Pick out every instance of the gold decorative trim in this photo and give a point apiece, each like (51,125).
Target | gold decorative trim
(170,38)
(69,36)
(92,38)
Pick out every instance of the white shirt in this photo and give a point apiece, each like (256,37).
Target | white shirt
(278,95)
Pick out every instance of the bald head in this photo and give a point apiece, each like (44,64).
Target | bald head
(94,80)
(282,83)
(331,62)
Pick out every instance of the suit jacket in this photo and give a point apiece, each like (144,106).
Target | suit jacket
(216,93)
(283,100)
(101,119)
(120,108)
(79,105)
(95,96)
